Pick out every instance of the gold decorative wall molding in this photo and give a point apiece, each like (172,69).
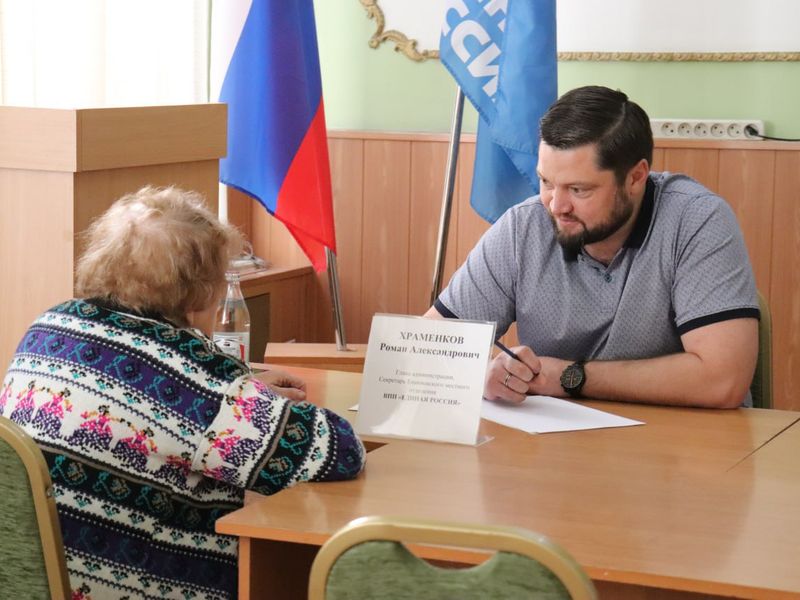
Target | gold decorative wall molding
(402,42)
(410,48)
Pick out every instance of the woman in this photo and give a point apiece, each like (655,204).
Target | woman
(150,431)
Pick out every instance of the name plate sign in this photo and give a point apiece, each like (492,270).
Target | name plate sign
(423,378)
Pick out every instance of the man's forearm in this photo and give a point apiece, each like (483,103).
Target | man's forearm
(714,371)
(676,379)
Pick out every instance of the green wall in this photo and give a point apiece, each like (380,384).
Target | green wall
(382,90)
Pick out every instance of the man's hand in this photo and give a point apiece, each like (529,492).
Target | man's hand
(509,379)
(285,384)
(548,381)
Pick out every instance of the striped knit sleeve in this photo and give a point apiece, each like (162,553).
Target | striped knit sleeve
(265,442)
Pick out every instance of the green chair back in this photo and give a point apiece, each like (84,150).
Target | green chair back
(368,560)
(761,387)
(32,561)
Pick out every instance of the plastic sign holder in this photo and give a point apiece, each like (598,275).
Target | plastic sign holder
(423,378)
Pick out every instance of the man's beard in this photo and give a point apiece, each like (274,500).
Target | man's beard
(623,209)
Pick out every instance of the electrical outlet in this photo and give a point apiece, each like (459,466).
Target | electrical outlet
(666,129)
(736,130)
(701,130)
(718,129)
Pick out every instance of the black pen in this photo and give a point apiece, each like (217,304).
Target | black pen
(502,347)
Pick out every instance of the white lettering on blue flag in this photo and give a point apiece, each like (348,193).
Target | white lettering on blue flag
(483,66)
(493,6)
(471,46)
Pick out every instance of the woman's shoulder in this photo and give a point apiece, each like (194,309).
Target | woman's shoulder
(156,341)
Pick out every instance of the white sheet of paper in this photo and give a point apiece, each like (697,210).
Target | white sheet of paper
(545,414)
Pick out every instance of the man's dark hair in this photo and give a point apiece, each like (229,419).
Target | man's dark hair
(598,115)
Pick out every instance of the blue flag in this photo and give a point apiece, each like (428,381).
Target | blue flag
(503,55)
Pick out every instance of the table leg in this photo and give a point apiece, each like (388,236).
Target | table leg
(269,569)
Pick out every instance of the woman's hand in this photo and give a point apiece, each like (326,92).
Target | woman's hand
(283,383)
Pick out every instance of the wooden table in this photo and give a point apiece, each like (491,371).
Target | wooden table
(316,356)
(695,504)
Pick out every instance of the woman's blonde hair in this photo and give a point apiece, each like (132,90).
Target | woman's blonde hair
(157,250)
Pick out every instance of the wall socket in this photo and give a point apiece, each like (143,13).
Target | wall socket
(705,129)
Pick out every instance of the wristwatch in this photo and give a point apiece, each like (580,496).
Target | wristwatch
(573,378)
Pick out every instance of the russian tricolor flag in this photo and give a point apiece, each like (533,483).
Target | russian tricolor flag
(265,64)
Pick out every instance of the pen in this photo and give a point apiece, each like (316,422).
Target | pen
(502,347)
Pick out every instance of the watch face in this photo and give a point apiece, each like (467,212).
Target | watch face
(572,378)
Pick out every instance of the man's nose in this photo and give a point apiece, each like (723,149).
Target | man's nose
(560,204)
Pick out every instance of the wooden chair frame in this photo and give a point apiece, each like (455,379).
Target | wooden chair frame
(44,504)
(761,389)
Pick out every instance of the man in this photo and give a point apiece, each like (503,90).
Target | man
(624,284)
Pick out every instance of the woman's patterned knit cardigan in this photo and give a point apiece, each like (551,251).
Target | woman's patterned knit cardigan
(151,434)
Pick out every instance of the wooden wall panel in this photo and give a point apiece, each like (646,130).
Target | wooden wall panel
(658,159)
(428,165)
(470,226)
(347,178)
(286,322)
(239,213)
(785,289)
(700,164)
(746,181)
(384,266)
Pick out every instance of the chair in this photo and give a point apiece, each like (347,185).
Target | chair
(366,560)
(32,563)
(761,387)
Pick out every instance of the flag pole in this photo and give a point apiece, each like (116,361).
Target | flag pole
(336,299)
(447,197)
(222,195)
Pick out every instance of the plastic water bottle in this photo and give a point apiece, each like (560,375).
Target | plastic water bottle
(232,330)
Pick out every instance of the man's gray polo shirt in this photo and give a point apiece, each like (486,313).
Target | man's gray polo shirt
(684,265)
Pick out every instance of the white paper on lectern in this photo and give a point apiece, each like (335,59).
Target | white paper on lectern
(423,378)
(545,414)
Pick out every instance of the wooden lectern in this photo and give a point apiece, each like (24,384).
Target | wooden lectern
(59,169)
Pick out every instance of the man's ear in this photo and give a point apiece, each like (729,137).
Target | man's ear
(637,178)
